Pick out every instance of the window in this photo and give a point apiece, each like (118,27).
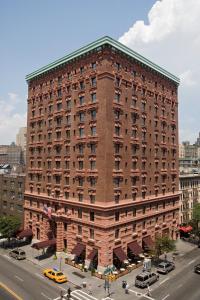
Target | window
(116,233)
(118,66)
(117,114)
(80,197)
(59,93)
(116,216)
(81,70)
(117,97)
(93,114)
(66,195)
(80,181)
(68,120)
(92,216)
(80,148)
(92,148)
(79,230)
(93,65)
(117,165)
(81,100)
(82,116)
(92,164)
(92,198)
(79,213)
(93,130)
(82,85)
(117,81)
(116,198)
(92,181)
(93,97)
(116,182)
(68,104)
(93,81)
(117,148)
(91,233)
(80,165)
(81,132)
(117,130)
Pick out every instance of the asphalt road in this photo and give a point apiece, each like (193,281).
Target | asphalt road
(183,285)
(5,294)
(26,284)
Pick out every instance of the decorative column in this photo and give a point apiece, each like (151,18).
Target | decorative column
(59,238)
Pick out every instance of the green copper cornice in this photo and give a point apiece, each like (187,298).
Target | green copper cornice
(94,46)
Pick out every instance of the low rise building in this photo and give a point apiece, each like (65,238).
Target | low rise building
(12,194)
(190,188)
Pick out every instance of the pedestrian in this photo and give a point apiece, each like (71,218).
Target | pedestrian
(69,293)
(127,288)
(148,291)
(165,256)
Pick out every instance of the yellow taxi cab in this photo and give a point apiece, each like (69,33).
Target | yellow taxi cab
(55,275)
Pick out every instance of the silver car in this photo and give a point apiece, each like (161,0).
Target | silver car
(145,279)
(165,267)
(17,254)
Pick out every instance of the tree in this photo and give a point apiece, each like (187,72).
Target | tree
(164,244)
(196,218)
(9,225)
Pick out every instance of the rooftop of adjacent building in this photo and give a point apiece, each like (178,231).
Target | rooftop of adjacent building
(96,46)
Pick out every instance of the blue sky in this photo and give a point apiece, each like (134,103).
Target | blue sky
(34,33)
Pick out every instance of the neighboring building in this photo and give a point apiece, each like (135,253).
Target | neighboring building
(197,143)
(181,151)
(189,165)
(12,194)
(5,169)
(11,154)
(21,140)
(190,188)
(102,153)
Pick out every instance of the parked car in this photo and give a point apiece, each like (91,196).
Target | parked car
(17,254)
(145,279)
(55,275)
(197,269)
(165,267)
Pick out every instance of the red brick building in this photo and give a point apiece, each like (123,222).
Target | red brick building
(102,153)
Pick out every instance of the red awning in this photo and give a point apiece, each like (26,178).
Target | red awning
(148,242)
(25,233)
(44,244)
(120,254)
(186,228)
(135,247)
(78,249)
(92,254)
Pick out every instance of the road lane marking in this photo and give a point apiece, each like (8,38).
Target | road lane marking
(164,280)
(141,295)
(166,297)
(191,262)
(45,296)
(19,278)
(82,294)
(5,287)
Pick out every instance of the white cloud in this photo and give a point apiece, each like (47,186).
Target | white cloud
(10,119)
(172,39)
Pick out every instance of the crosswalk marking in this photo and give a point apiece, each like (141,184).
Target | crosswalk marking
(81,295)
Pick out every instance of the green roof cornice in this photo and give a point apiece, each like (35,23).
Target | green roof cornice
(94,46)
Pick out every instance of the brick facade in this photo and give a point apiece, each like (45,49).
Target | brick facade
(102,153)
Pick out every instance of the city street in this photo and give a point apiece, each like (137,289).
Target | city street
(26,284)
(21,277)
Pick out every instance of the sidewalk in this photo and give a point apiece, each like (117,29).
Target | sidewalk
(77,277)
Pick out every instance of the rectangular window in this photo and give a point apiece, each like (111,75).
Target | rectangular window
(93,130)
(92,164)
(81,100)
(92,198)
(91,233)
(93,114)
(92,148)
(82,116)
(92,216)
(116,233)
(59,92)
(93,81)
(80,165)
(117,97)
(93,97)
(79,213)
(79,230)
(81,132)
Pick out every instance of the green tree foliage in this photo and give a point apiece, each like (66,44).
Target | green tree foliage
(9,225)
(164,244)
(196,219)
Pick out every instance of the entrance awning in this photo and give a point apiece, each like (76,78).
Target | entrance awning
(44,244)
(25,233)
(78,249)
(148,242)
(120,254)
(92,254)
(186,228)
(135,248)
